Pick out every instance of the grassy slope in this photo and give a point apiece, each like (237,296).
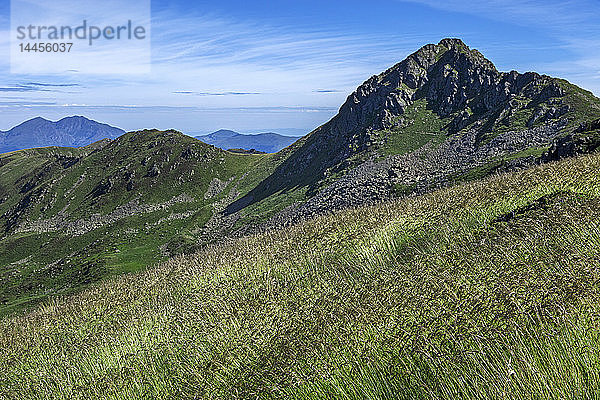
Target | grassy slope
(267,203)
(584,106)
(36,264)
(483,290)
(420,125)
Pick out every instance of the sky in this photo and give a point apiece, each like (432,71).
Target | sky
(287,66)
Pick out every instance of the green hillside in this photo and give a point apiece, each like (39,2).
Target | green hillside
(69,217)
(487,289)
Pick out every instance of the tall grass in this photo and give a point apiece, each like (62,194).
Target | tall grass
(485,290)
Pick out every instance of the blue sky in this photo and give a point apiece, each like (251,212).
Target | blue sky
(288,65)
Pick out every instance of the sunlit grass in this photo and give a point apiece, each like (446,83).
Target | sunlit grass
(485,290)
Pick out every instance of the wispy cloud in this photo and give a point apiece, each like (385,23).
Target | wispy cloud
(551,14)
(170,108)
(265,64)
(186,92)
(270,57)
(229,42)
(52,84)
(26,103)
(36,87)
(21,89)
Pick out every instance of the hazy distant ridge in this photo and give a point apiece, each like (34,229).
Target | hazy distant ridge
(266,142)
(73,131)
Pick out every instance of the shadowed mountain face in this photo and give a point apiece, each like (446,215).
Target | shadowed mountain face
(68,132)
(444,109)
(263,142)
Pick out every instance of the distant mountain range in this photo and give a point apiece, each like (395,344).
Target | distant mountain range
(73,131)
(264,142)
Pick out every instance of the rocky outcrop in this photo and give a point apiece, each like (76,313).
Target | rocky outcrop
(79,227)
(427,168)
(585,139)
(215,187)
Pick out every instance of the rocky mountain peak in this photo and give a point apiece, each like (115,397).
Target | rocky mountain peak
(449,75)
(452,43)
(445,91)
(456,82)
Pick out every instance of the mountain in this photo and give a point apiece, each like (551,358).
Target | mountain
(68,132)
(444,115)
(263,142)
